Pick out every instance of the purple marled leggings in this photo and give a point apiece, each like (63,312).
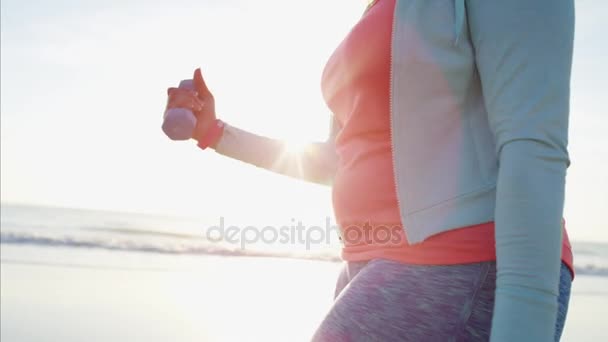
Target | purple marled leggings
(384,300)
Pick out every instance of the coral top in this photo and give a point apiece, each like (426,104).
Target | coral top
(356,87)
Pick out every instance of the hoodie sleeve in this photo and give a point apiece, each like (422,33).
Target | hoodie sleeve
(523,51)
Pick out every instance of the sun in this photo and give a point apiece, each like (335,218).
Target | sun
(295,147)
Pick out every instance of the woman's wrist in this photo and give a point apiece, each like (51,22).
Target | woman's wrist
(212,136)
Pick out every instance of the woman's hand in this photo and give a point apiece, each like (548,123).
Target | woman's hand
(202,104)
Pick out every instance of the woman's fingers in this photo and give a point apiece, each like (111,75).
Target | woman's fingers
(174,90)
(184,98)
(198,99)
(199,83)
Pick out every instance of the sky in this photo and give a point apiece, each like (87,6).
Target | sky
(83,89)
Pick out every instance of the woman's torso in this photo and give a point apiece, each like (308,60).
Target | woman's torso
(356,87)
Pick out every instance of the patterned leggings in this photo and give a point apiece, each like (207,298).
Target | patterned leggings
(384,300)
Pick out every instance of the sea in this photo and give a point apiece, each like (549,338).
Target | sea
(53,227)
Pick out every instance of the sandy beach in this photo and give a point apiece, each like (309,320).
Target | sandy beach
(136,297)
(96,295)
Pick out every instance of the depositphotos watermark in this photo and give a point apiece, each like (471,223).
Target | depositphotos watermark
(297,233)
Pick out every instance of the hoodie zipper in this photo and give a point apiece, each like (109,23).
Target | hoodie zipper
(391,113)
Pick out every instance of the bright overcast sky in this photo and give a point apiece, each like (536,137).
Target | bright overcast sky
(83,90)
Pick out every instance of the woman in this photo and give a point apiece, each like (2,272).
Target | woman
(450,124)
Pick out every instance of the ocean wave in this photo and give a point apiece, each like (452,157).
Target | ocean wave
(592,270)
(141,232)
(178,247)
(201,247)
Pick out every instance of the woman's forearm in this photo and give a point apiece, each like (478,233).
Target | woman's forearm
(529,207)
(314,162)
